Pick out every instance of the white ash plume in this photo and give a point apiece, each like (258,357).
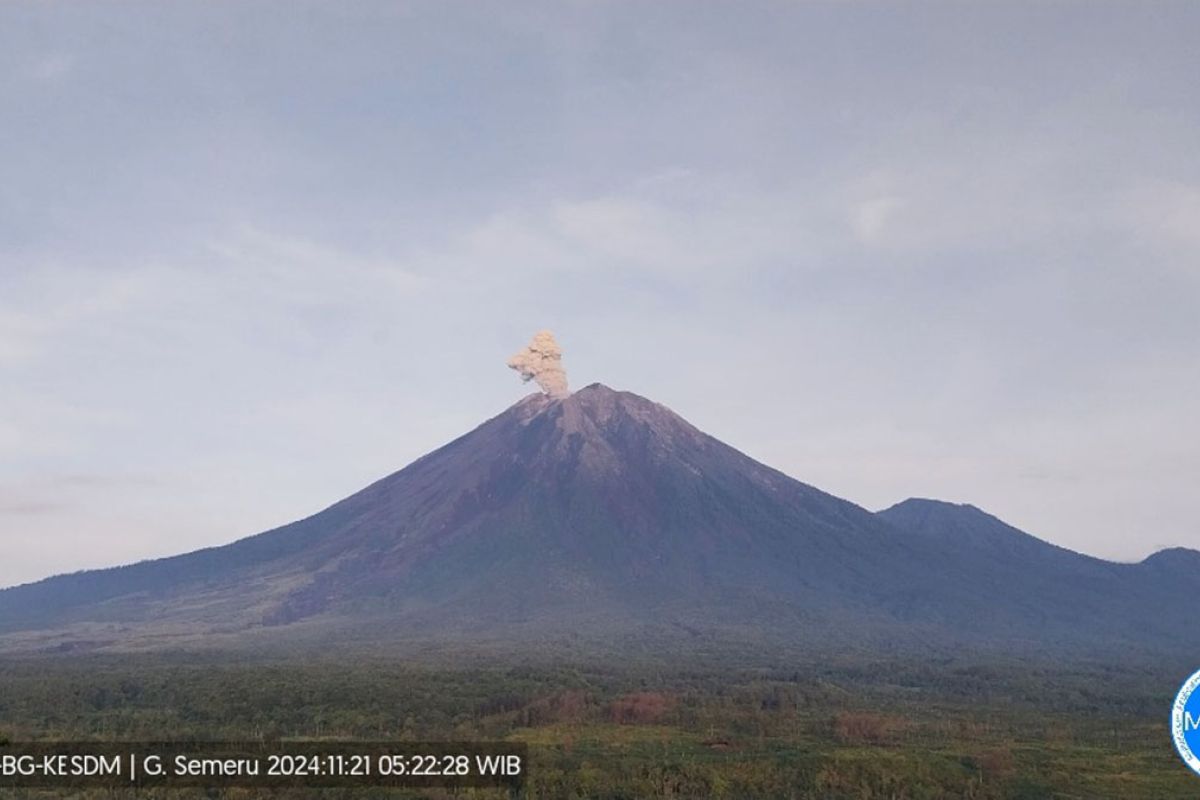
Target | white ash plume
(541,361)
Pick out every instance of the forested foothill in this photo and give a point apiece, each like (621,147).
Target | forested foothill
(630,728)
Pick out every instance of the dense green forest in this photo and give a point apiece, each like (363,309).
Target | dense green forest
(903,729)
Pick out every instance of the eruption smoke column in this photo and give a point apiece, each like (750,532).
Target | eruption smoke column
(541,361)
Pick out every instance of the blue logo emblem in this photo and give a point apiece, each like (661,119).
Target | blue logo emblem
(1185,722)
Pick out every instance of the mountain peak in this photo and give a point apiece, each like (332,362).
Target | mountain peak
(933,503)
(591,395)
(934,517)
(599,411)
(1174,558)
(962,524)
(601,403)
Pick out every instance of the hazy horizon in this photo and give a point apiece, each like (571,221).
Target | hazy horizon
(254,256)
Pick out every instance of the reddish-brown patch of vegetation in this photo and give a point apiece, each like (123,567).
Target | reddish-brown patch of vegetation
(569,706)
(860,727)
(640,708)
(997,764)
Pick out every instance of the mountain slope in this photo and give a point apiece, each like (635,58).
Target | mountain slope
(606,512)
(964,528)
(1065,593)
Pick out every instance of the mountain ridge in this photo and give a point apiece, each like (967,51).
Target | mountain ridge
(607,506)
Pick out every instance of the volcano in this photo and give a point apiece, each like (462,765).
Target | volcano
(608,515)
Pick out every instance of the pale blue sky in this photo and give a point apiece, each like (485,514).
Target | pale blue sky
(255,255)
